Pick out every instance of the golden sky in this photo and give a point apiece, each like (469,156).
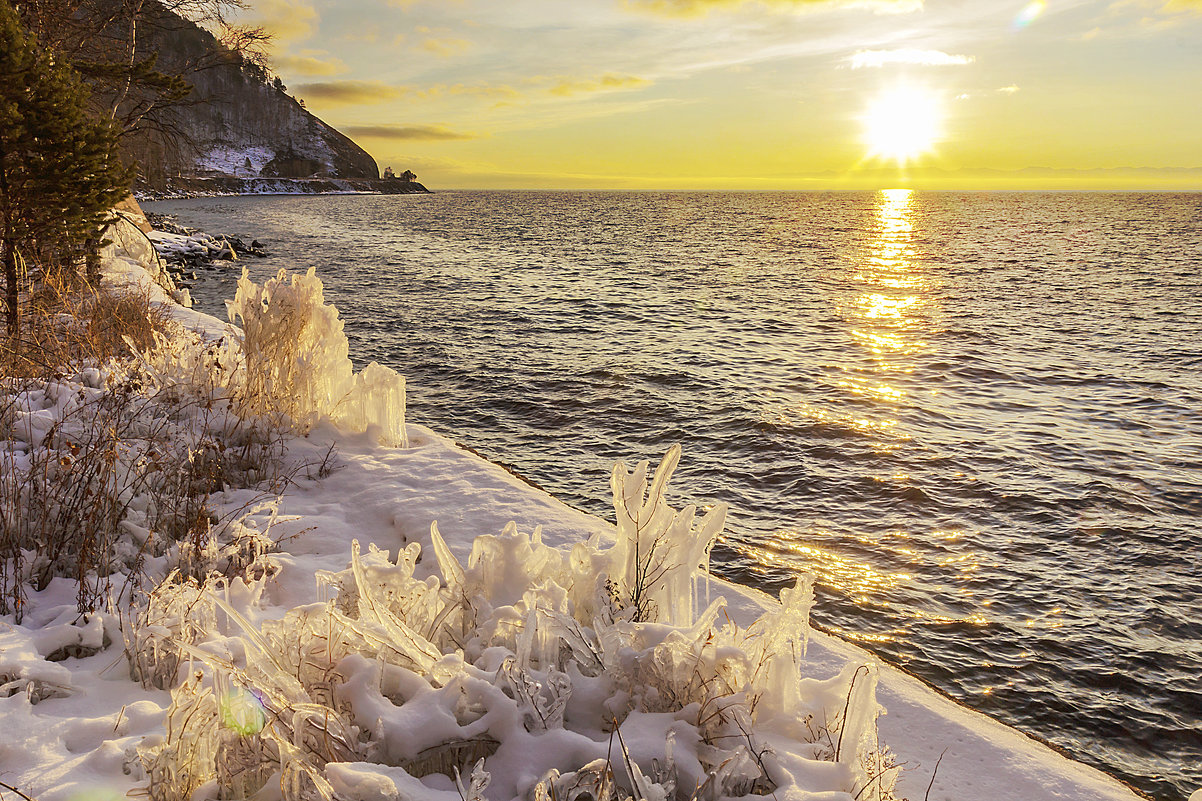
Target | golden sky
(757,94)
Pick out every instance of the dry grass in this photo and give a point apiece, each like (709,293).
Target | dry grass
(63,506)
(117,480)
(66,322)
(123,473)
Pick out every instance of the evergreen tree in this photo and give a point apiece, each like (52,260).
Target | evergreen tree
(59,170)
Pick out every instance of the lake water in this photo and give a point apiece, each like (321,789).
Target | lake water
(975,417)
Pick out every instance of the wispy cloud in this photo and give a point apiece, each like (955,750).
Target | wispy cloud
(693,8)
(565,87)
(350,92)
(428,133)
(445,47)
(1162,6)
(484,90)
(927,58)
(1143,17)
(286,20)
(441,41)
(1008,90)
(311,63)
(532,87)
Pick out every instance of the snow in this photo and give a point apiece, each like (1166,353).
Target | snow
(232,160)
(199,245)
(218,187)
(446,593)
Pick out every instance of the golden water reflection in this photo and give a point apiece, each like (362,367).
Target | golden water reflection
(864,583)
(886,300)
(887,316)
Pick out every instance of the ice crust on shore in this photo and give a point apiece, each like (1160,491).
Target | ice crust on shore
(360,643)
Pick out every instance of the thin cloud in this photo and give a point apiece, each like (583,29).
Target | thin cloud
(693,8)
(1142,17)
(1161,6)
(425,133)
(445,47)
(566,87)
(927,58)
(489,91)
(350,92)
(1008,90)
(310,65)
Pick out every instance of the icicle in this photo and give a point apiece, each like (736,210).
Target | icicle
(402,637)
(796,604)
(859,717)
(452,571)
(480,780)
(526,639)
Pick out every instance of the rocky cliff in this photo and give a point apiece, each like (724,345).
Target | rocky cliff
(235,122)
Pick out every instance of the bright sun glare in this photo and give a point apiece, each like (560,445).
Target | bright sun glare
(902,123)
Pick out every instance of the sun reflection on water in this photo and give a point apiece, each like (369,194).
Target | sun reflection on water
(886,317)
(855,578)
(886,302)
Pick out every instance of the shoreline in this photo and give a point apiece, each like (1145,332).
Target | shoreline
(232,186)
(472,496)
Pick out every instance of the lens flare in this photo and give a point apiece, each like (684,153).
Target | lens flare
(242,711)
(1029,12)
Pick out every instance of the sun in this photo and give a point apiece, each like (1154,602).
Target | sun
(902,123)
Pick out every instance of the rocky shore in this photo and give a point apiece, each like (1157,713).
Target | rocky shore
(185,250)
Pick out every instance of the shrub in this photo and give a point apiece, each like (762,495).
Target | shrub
(67,323)
(296,361)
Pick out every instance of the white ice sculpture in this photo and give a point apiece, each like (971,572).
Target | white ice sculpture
(297,360)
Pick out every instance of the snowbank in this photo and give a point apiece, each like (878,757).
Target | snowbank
(371,655)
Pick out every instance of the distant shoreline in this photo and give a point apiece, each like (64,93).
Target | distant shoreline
(227,185)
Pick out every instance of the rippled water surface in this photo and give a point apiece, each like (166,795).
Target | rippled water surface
(976,417)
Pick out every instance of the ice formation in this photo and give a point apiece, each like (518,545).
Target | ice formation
(658,554)
(296,360)
(521,674)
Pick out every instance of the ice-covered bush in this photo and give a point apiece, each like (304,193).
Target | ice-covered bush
(522,668)
(105,469)
(111,460)
(654,566)
(295,360)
